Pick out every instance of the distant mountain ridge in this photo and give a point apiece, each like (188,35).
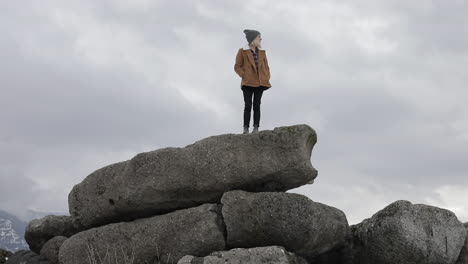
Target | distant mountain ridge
(29,215)
(12,232)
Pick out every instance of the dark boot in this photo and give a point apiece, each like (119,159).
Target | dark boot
(246,130)
(255,129)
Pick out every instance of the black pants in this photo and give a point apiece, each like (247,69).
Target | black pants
(256,92)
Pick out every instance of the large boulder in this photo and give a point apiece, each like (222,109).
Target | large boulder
(51,249)
(168,179)
(260,255)
(164,238)
(39,231)
(405,233)
(463,257)
(290,220)
(26,257)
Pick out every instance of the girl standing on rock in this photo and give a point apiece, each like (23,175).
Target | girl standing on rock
(252,66)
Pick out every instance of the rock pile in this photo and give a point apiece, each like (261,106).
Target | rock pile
(222,200)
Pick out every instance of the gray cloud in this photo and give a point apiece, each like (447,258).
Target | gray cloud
(91,83)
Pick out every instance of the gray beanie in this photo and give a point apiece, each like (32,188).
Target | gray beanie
(251,34)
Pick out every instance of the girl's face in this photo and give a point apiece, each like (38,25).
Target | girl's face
(257,41)
(259,38)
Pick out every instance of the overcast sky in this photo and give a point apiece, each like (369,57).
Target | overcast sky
(88,83)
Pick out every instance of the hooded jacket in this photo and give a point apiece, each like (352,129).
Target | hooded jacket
(246,69)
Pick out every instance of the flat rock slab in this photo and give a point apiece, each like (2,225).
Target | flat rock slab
(405,233)
(39,231)
(260,255)
(165,238)
(174,178)
(290,220)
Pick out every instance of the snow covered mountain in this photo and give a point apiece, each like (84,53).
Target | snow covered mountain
(12,232)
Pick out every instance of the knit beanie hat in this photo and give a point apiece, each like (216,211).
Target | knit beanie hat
(251,34)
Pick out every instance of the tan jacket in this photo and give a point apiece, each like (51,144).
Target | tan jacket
(246,69)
